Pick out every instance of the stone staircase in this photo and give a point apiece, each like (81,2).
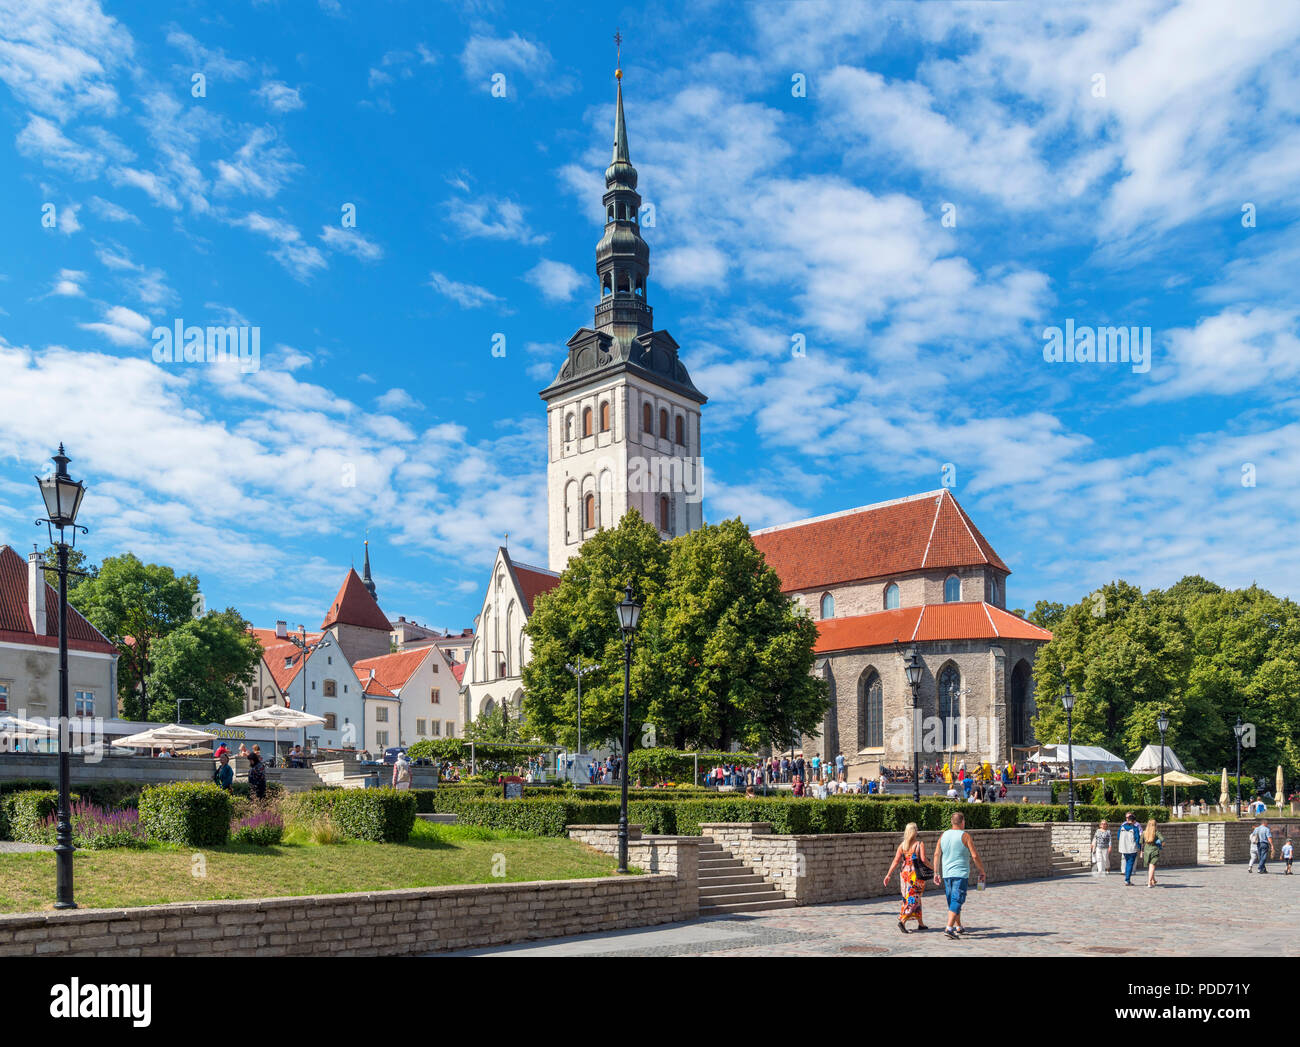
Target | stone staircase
(294,779)
(727,885)
(1068,863)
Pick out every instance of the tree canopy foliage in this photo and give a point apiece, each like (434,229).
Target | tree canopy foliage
(1202,653)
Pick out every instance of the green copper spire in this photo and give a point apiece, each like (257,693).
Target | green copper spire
(620,126)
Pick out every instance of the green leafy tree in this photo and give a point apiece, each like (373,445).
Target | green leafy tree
(203,667)
(136,604)
(77,561)
(491,728)
(578,618)
(733,655)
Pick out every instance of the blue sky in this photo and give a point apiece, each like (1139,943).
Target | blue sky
(1096,159)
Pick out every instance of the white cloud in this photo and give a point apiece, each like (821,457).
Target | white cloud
(279,97)
(122,326)
(557,281)
(492,218)
(42,140)
(260,167)
(69,283)
(351,242)
(110,211)
(484,56)
(469,296)
(147,284)
(398,399)
(293,252)
(212,63)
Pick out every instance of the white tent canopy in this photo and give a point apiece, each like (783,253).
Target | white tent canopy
(1088,759)
(1149,761)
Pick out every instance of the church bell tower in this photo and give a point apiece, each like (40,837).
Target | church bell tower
(623,416)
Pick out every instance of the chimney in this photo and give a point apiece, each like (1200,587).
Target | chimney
(372,676)
(36,593)
(281,630)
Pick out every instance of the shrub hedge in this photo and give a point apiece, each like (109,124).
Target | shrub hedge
(375,815)
(22,814)
(190,813)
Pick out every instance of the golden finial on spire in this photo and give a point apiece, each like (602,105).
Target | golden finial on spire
(618,43)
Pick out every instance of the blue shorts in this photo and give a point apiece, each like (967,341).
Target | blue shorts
(954,888)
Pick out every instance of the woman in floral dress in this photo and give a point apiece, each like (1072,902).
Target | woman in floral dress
(910,879)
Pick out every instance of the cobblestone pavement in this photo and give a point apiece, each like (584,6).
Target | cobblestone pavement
(1198,911)
(10,847)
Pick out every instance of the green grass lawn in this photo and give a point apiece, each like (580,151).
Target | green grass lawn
(434,855)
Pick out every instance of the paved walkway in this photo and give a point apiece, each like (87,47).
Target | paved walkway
(1199,911)
(10,847)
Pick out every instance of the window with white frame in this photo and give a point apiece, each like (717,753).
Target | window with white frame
(434,696)
(451,728)
(437,728)
(381,714)
(420,728)
(381,739)
(83,703)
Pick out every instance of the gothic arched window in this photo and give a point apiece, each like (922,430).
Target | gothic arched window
(647,418)
(586,421)
(994,597)
(681,431)
(950,705)
(568,427)
(607,285)
(871,711)
(891,596)
(828,606)
(663,423)
(640,286)
(589,512)
(609,213)
(952,589)
(604,417)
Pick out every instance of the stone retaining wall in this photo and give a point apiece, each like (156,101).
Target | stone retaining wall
(379,923)
(148,770)
(843,866)
(1181,846)
(675,856)
(1228,843)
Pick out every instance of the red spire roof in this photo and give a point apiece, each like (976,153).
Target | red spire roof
(16,619)
(924,531)
(355,606)
(925,623)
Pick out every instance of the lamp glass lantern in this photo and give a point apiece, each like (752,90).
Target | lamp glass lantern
(61,493)
(1162,723)
(629,613)
(1239,728)
(1067,699)
(912,667)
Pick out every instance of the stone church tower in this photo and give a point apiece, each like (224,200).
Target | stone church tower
(623,416)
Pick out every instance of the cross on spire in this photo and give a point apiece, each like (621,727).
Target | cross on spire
(618,44)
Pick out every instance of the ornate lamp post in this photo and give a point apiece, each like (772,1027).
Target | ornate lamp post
(579,670)
(1067,700)
(1162,725)
(1239,729)
(62,496)
(300,641)
(629,615)
(912,668)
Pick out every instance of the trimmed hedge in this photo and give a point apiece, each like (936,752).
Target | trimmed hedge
(374,815)
(23,814)
(536,815)
(193,814)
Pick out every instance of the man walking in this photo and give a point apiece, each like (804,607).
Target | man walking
(1130,834)
(952,858)
(1263,838)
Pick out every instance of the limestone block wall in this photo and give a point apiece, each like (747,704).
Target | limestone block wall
(150,770)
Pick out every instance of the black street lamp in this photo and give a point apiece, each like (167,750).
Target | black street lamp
(1067,700)
(1239,729)
(62,496)
(1162,725)
(912,668)
(629,614)
(307,649)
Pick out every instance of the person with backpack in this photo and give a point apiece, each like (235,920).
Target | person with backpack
(1263,840)
(1130,834)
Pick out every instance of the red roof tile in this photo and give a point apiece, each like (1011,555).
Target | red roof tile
(928,622)
(355,606)
(393,670)
(274,657)
(910,534)
(458,671)
(16,619)
(374,688)
(269,639)
(533,581)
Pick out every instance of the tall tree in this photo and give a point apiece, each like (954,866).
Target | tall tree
(135,604)
(201,669)
(733,655)
(578,619)
(77,561)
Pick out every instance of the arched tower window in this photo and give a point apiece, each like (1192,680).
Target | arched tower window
(950,705)
(891,596)
(609,213)
(828,605)
(586,421)
(607,285)
(995,596)
(640,286)
(589,512)
(604,417)
(568,427)
(871,711)
(624,283)
(952,589)
(681,431)
(665,514)
(663,423)
(647,418)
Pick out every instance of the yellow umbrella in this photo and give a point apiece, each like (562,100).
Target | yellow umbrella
(1281,786)
(1176,778)
(1223,790)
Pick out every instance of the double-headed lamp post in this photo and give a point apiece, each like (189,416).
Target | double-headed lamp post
(62,496)
(579,670)
(629,615)
(912,667)
(300,641)
(1239,729)
(1162,725)
(1067,700)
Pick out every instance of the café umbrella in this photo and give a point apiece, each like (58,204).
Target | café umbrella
(165,736)
(13,728)
(277,718)
(1176,778)
(1223,791)
(1280,792)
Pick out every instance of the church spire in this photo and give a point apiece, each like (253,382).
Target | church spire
(365,577)
(622,257)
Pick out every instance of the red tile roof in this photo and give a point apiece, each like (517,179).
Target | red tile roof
(355,606)
(373,688)
(924,531)
(393,670)
(16,620)
(274,657)
(928,622)
(458,671)
(269,639)
(533,581)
